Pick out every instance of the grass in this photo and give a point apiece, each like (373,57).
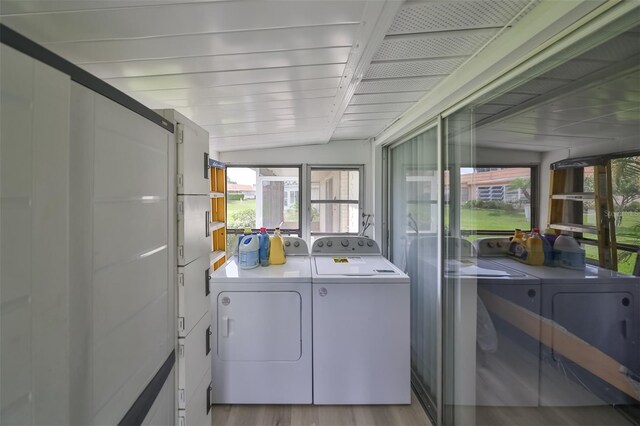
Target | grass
(492,219)
(235,206)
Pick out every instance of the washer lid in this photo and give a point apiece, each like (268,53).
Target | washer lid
(355,266)
(297,269)
(480,268)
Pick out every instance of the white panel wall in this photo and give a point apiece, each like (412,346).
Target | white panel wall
(333,153)
(585,151)
(34,155)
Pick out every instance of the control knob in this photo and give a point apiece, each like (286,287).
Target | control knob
(360,243)
(320,243)
(287,243)
(329,243)
(370,243)
(296,244)
(345,243)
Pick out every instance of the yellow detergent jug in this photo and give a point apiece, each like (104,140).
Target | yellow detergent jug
(276,255)
(517,244)
(534,249)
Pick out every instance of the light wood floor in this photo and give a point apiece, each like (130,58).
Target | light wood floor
(321,415)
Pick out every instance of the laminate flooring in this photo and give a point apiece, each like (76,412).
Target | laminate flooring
(321,415)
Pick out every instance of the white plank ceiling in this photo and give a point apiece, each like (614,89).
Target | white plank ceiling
(268,73)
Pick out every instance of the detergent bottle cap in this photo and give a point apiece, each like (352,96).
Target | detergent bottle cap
(536,230)
(247,231)
(263,229)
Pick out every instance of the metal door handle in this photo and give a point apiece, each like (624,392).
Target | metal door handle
(208,340)
(206,165)
(225,326)
(207,278)
(623,329)
(207,223)
(209,404)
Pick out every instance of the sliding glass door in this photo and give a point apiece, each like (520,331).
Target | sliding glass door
(415,220)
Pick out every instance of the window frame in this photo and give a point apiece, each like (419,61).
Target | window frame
(535,200)
(284,231)
(359,202)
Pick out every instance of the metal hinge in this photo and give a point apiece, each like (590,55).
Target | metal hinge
(180,324)
(181,279)
(180,180)
(181,351)
(180,207)
(181,396)
(181,252)
(181,421)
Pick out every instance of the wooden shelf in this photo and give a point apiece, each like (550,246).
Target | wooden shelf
(215,256)
(574,227)
(575,196)
(214,226)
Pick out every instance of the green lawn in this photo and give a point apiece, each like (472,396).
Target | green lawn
(234,206)
(492,219)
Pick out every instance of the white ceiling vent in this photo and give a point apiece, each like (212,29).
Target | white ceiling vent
(433,45)
(455,15)
(414,84)
(414,68)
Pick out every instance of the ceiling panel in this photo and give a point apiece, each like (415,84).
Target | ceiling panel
(9,7)
(321,104)
(240,90)
(427,45)
(342,133)
(288,138)
(396,107)
(369,116)
(206,44)
(414,68)
(250,99)
(412,84)
(226,78)
(419,17)
(136,68)
(266,127)
(185,18)
(378,98)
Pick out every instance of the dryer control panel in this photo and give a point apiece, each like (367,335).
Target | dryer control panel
(345,245)
(295,246)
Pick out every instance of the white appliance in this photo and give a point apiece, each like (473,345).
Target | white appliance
(361,329)
(262,331)
(599,306)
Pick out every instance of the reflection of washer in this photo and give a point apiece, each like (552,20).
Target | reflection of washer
(262,348)
(599,306)
(361,348)
(492,355)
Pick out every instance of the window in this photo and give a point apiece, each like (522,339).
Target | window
(336,202)
(495,199)
(625,180)
(262,196)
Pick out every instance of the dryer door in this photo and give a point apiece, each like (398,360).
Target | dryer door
(259,326)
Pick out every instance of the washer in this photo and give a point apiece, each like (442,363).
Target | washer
(262,317)
(599,306)
(361,329)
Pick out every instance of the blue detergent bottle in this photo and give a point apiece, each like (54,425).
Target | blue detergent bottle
(264,247)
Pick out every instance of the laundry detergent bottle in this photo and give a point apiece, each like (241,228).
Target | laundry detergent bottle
(265,245)
(276,255)
(535,248)
(248,252)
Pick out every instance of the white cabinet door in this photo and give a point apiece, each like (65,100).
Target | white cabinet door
(198,409)
(259,326)
(193,294)
(193,160)
(193,360)
(194,236)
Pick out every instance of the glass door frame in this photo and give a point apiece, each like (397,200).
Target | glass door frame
(434,409)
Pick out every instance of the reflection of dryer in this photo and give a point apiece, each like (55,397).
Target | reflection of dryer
(262,344)
(599,306)
(361,347)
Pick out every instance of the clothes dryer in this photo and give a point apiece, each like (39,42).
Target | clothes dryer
(262,348)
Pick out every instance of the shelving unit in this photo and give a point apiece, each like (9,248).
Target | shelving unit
(218,215)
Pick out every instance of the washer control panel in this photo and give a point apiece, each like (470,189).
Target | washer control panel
(295,246)
(345,245)
(491,246)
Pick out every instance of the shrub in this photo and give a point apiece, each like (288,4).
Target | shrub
(242,219)
(235,196)
(632,207)
(488,205)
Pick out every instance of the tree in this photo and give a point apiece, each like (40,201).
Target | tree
(625,173)
(523,184)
